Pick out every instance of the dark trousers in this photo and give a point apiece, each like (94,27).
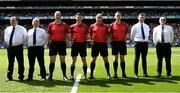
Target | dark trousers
(33,52)
(15,51)
(140,48)
(163,50)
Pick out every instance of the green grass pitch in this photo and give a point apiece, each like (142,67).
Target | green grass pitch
(100,84)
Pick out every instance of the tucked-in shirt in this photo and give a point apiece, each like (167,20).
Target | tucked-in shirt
(57,32)
(136,33)
(78,32)
(41,37)
(99,32)
(168,34)
(19,36)
(119,31)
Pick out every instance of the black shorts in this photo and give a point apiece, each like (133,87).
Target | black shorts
(119,46)
(99,47)
(57,47)
(78,48)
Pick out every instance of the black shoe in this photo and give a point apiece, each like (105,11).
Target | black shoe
(145,75)
(115,76)
(50,79)
(29,79)
(71,78)
(158,76)
(124,75)
(21,79)
(91,78)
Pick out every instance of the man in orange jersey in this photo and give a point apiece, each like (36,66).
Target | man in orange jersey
(57,32)
(99,33)
(119,32)
(78,34)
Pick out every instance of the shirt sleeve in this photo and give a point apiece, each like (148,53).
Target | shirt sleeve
(66,29)
(132,33)
(5,35)
(172,34)
(154,35)
(25,36)
(90,30)
(110,28)
(45,37)
(49,29)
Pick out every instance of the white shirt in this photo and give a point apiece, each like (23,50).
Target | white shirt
(168,34)
(136,34)
(41,37)
(19,36)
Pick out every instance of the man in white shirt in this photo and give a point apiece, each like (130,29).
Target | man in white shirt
(139,35)
(163,37)
(37,39)
(15,36)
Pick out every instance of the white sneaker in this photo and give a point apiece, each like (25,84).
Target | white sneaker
(65,78)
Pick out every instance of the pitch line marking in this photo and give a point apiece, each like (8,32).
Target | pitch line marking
(76,83)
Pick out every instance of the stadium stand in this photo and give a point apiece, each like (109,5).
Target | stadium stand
(26,10)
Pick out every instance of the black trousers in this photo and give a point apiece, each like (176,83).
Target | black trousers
(140,48)
(33,52)
(163,50)
(15,51)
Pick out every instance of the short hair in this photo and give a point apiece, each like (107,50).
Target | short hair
(78,13)
(36,18)
(117,12)
(14,17)
(57,12)
(141,14)
(99,14)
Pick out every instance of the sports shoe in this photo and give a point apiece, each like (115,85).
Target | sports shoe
(124,75)
(136,76)
(50,79)
(91,78)
(108,77)
(42,79)
(115,76)
(145,75)
(71,78)
(29,79)
(85,78)
(169,76)
(65,78)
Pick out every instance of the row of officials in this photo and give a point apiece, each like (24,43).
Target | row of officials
(57,32)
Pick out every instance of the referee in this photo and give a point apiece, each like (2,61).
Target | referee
(15,36)
(37,39)
(57,33)
(119,33)
(78,34)
(99,33)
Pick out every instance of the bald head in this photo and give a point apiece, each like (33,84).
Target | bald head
(99,18)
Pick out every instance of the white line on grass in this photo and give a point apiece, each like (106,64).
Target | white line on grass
(76,83)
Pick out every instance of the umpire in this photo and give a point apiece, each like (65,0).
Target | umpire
(140,34)
(163,37)
(37,38)
(15,36)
